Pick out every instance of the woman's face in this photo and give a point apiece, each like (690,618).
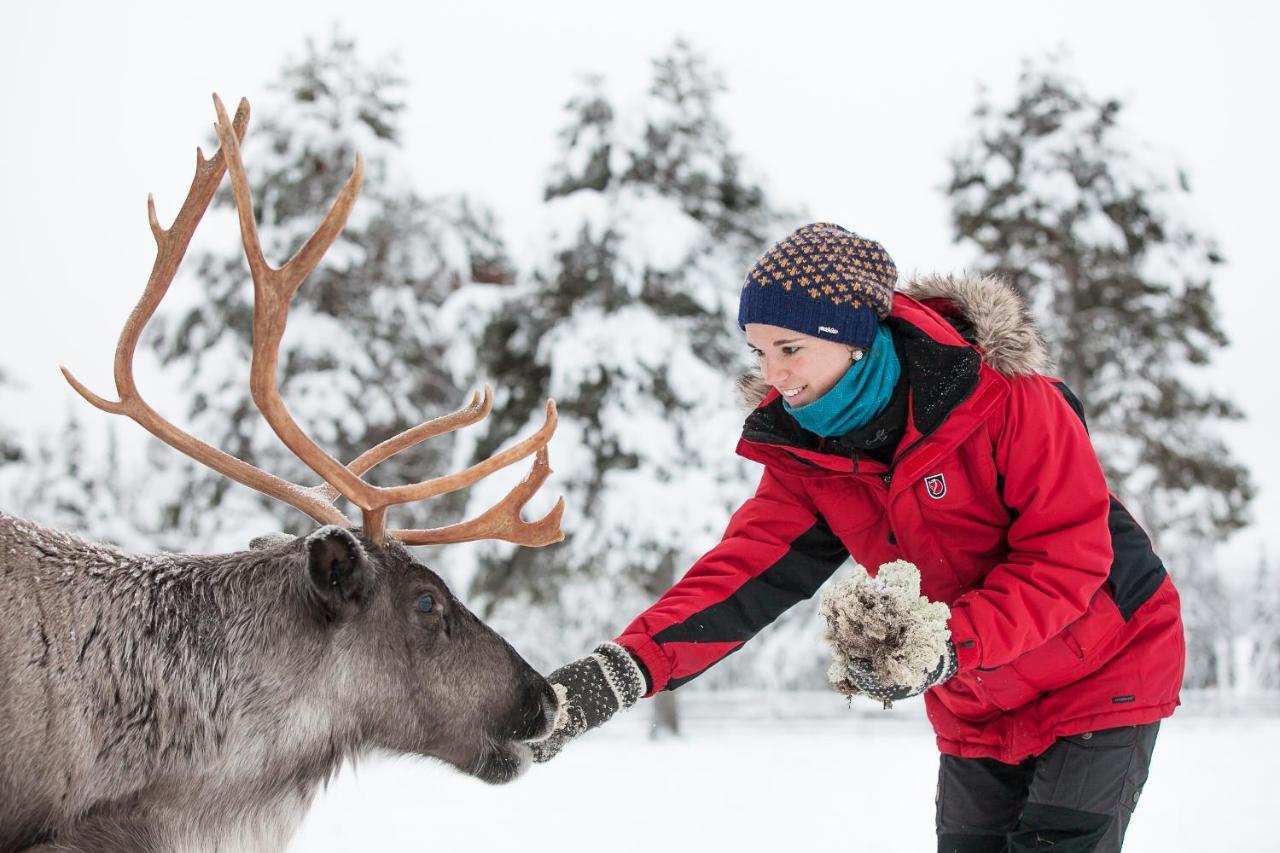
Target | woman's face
(801,367)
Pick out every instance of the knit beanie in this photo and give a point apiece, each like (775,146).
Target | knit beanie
(821,280)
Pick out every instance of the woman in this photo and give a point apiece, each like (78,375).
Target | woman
(917,425)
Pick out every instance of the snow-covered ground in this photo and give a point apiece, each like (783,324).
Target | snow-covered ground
(759,773)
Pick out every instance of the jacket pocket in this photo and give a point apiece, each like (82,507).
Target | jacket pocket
(1072,654)
(1003,687)
(1077,650)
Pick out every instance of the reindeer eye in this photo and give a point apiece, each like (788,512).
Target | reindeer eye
(426,602)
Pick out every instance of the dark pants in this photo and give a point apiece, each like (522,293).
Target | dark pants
(1077,796)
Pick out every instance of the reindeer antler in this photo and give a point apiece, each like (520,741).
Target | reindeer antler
(273,290)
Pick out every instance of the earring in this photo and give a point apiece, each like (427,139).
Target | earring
(855,355)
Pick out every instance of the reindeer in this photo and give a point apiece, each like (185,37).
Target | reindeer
(183,702)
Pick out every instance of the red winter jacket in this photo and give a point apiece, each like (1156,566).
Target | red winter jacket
(1064,619)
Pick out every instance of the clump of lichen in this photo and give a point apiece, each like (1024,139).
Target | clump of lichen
(885,621)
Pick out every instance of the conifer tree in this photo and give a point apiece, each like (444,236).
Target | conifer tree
(1091,228)
(10,444)
(76,482)
(363,357)
(1263,624)
(628,321)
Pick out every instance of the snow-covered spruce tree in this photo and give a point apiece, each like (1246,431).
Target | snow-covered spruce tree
(1091,226)
(10,443)
(76,482)
(1262,623)
(628,322)
(362,357)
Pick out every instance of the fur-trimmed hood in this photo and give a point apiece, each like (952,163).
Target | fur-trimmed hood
(992,315)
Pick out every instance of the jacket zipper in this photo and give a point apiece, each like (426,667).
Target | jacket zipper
(887,478)
(925,436)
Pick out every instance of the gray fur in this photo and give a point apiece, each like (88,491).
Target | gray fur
(1002,327)
(195,702)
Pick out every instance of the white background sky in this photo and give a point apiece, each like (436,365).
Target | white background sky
(848,110)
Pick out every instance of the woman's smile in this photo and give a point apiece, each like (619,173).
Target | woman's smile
(801,367)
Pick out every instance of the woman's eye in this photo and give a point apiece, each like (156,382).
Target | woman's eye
(426,602)
(790,350)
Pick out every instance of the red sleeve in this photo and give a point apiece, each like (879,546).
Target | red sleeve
(776,552)
(1059,543)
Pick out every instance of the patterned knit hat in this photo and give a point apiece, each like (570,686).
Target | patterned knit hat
(821,280)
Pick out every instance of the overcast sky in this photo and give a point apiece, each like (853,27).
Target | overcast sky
(847,110)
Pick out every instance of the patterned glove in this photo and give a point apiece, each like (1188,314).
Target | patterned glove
(591,690)
(868,683)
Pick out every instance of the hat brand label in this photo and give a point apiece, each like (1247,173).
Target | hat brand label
(828,330)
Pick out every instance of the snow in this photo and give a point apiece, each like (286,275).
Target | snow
(769,772)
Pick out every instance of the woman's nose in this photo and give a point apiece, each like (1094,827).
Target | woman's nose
(770,371)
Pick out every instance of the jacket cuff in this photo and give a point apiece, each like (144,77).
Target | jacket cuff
(965,639)
(653,661)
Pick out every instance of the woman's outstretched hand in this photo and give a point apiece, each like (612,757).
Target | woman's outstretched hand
(591,690)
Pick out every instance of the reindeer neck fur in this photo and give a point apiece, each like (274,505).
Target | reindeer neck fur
(179,672)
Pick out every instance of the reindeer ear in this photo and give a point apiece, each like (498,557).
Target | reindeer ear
(340,570)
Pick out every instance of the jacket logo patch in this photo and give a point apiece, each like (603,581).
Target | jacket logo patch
(935,485)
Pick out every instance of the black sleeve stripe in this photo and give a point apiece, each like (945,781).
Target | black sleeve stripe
(1136,571)
(812,558)
(677,682)
(1073,401)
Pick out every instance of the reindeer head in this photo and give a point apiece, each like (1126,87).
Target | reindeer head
(397,662)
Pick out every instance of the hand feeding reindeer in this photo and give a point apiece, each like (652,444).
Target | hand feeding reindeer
(170,702)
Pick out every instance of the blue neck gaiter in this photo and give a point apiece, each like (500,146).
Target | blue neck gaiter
(860,395)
